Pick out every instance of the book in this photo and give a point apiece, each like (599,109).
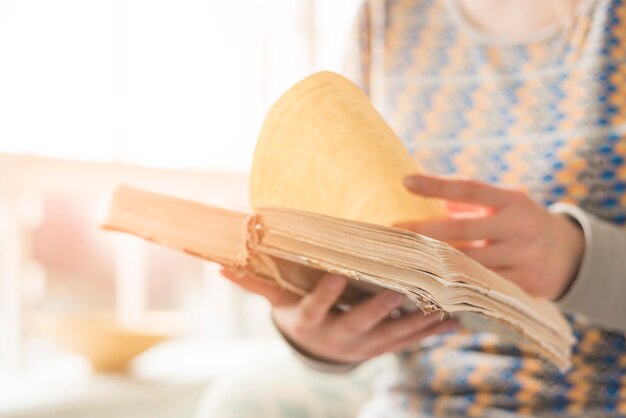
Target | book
(325,184)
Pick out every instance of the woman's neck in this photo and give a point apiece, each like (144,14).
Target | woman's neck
(512,20)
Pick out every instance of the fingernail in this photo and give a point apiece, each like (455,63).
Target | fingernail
(413,182)
(393,299)
(334,281)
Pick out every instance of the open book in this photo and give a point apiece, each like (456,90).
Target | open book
(325,183)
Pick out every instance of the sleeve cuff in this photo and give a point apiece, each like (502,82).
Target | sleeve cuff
(599,289)
(317,364)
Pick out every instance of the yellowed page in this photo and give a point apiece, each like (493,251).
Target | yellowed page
(205,231)
(325,149)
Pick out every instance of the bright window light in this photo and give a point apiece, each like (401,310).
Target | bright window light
(165,83)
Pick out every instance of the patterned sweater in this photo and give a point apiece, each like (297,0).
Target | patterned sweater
(548,114)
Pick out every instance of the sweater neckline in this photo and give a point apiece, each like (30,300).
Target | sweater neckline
(542,35)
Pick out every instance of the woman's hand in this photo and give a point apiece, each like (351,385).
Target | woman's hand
(506,232)
(319,330)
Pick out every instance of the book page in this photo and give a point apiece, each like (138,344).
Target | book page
(205,231)
(325,149)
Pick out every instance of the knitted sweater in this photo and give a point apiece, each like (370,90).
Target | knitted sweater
(548,114)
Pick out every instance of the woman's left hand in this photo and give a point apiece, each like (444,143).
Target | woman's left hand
(506,232)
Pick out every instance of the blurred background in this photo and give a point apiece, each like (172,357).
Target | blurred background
(163,94)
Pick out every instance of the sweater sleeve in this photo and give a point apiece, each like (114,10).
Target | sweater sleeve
(599,289)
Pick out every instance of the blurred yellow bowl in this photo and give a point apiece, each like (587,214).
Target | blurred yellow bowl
(102,338)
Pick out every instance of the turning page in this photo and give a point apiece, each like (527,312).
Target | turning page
(325,149)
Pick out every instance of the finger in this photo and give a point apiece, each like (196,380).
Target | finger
(275,294)
(489,228)
(466,191)
(408,341)
(494,255)
(315,306)
(394,329)
(459,207)
(367,315)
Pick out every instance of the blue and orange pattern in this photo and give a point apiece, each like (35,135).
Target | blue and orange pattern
(547,115)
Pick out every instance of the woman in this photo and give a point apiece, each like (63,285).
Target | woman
(519,95)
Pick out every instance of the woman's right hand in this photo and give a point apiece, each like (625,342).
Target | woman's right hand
(326,334)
